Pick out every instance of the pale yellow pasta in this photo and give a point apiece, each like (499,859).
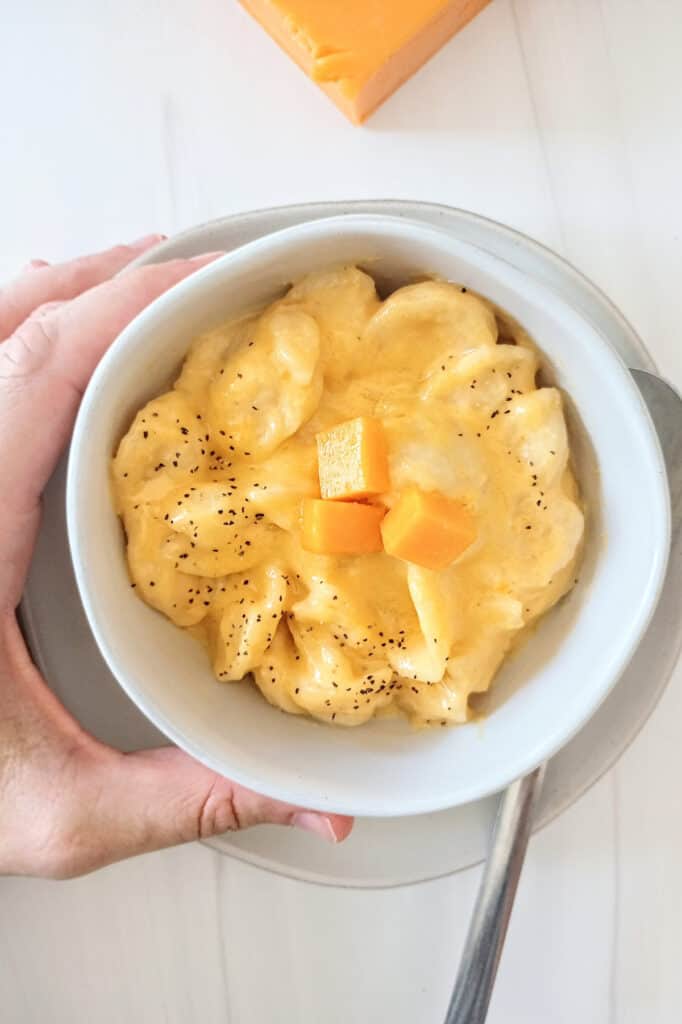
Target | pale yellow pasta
(210,478)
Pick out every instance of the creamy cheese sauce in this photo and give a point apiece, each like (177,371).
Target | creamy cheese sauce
(210,477)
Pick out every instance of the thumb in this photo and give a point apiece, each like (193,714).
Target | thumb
(156,798)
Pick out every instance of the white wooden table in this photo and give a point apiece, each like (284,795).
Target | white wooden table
(560,117)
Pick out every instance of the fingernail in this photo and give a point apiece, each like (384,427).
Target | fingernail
(317,823)
(205,256)
(146,240)
(36,264)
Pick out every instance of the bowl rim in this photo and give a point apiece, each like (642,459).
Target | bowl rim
(249,251)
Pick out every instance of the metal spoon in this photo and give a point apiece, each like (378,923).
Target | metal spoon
(511,831)
(488,928)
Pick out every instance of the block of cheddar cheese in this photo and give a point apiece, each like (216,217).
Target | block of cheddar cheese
(360,51)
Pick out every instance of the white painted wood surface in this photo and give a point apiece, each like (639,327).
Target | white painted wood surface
(560,117)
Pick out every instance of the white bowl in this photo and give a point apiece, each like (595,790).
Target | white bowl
(544,693)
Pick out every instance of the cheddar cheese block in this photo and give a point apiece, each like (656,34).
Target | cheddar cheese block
(360,51)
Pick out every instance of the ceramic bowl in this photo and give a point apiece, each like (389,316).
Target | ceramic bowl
(543,694)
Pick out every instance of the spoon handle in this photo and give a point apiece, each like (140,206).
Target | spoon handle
(488,928)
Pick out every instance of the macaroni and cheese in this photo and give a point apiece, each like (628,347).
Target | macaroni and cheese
(447,522)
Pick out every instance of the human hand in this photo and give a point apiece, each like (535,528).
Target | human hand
(68,803)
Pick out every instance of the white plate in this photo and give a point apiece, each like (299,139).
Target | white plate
(387,851)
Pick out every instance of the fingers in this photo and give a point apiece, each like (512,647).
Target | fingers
(69,804)
(41,283)
(44,368)
(135,803)
(86,327)
(48,361)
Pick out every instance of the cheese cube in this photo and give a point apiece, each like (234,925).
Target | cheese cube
(341,527)
(427,528)
(352,459)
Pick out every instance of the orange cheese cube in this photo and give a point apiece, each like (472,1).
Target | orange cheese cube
(341,527)
(427,528)
(360,51)
(352,459)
